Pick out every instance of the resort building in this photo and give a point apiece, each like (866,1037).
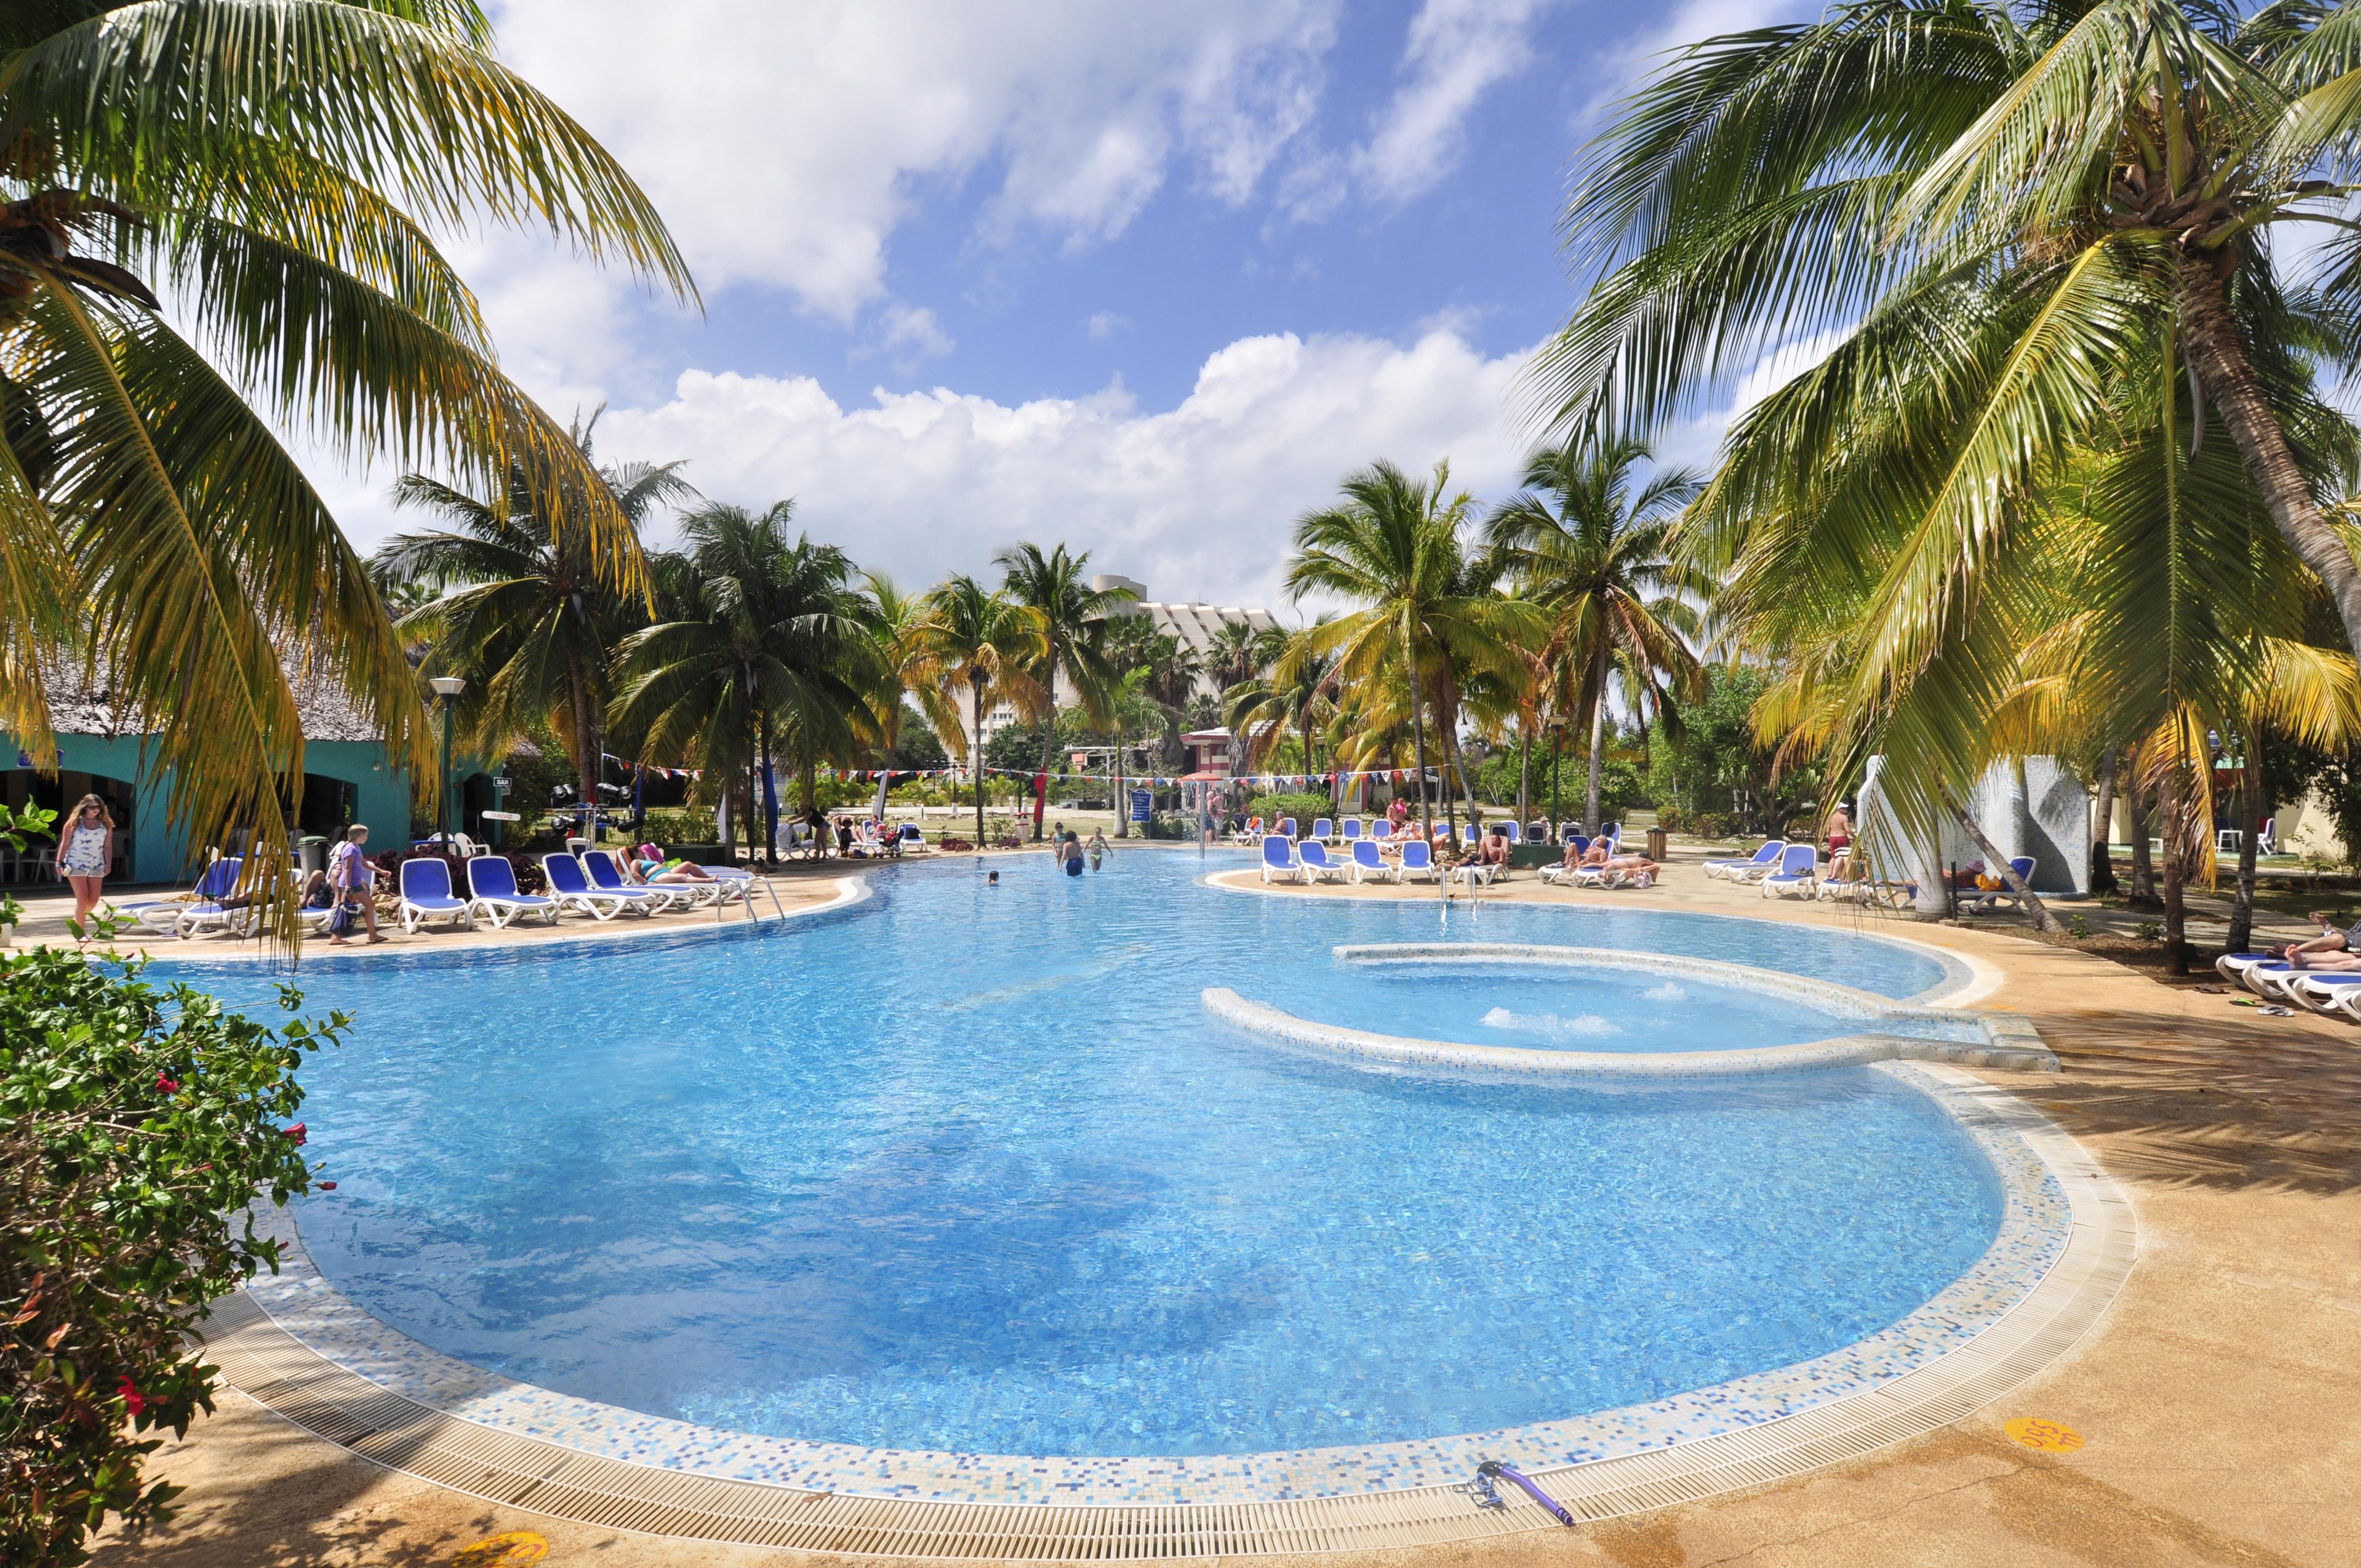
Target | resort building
(1194,623)
(348,778)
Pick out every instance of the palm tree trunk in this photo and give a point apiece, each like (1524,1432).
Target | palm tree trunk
(1597,726)
(770,828)
(1418,733)
(2143,893)
(2229,379)
(588,748)
(2103,864)
(2168,801)
(2250,817)
(2042,919)
(1049,749)
(975,747)
(1524,773)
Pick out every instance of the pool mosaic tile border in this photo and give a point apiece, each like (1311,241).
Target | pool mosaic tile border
(2039,1202)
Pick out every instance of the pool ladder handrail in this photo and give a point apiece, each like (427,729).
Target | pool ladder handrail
(763,883)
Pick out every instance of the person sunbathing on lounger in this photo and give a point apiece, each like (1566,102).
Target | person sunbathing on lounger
(2331,942)
(1633,866)
(647,866)
(1495,848)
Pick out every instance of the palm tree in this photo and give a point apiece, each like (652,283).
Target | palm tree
(1392,547)
(1594,552)
(1980,203)
(1074,624)
(988,645)
(1297,693)
(277,170)
(530,621)
(767,633)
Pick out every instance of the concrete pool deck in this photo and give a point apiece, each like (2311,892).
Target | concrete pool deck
(2214,1398)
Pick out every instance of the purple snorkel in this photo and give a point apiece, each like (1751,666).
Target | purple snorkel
(1492,1469)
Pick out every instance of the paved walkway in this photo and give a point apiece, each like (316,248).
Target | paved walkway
(2217,1401)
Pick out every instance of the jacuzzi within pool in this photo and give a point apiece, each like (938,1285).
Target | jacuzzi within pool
(963,1167)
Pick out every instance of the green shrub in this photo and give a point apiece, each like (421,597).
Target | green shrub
(136,1124)
(1306,808)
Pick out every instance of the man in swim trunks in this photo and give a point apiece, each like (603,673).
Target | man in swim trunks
(2332,950)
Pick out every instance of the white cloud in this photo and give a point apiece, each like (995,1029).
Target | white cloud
(1104,325)
(912,333)
(1198,499)
(794,157)
(1457,50)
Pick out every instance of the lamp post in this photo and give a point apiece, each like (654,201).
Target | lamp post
(448,688)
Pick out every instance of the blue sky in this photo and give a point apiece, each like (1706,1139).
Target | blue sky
(1148,278)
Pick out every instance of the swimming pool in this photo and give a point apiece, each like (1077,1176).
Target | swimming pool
(967,1169)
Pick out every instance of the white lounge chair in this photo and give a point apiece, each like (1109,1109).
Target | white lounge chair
(1798,873)
(493,892)
(913,842)
(1984,903)
(1278,861)
(1762,864)
(1317,866)
(1368,865)
(2321,992)
(425,885)
(1352,825)
(1537,832)
(1475,873)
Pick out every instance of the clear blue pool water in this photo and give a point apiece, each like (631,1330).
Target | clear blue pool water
(968,1169)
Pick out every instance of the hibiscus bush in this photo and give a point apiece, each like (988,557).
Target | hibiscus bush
(137,1124)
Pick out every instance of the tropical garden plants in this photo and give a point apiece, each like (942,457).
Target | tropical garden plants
(137,1122)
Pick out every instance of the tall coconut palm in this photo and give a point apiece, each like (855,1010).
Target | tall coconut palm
(1297,693)
(767,633)
(1972,207)
(529,619)
(278,171)
(987,645)
(1590,543)
(1392,547)
(1073,626)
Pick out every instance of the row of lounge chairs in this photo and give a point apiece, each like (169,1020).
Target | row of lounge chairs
(1284,860)
(1792,871)
(591,884)
(1353,831)
(2335,994)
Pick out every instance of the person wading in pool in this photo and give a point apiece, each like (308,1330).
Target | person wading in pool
(1098,848)
(1069,849)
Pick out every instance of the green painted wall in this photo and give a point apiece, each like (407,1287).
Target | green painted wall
(381,795)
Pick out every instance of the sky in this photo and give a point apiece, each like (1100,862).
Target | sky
(1147,278)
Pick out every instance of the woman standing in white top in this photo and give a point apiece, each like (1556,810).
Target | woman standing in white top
(85,848)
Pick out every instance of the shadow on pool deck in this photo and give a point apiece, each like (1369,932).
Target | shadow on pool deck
(2216,1397)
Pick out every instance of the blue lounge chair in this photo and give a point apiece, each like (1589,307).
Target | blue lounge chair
(1279,860)
(2321,992)
(1611,830)
(606,877)
(1516,832)
(1798,875)
(1317,866)
(162,915)
(1986,902)
(1417,860)
(914,840)
(1352,830)
(1567,832)
(1469,834)
(572,890)
(427,895)
(1323,829)
(1368,865)
(493,890)
(1537,832)
(1761,865)
(1381,830)
(1287,826)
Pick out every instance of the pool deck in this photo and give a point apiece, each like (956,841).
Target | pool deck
(2215,1397)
